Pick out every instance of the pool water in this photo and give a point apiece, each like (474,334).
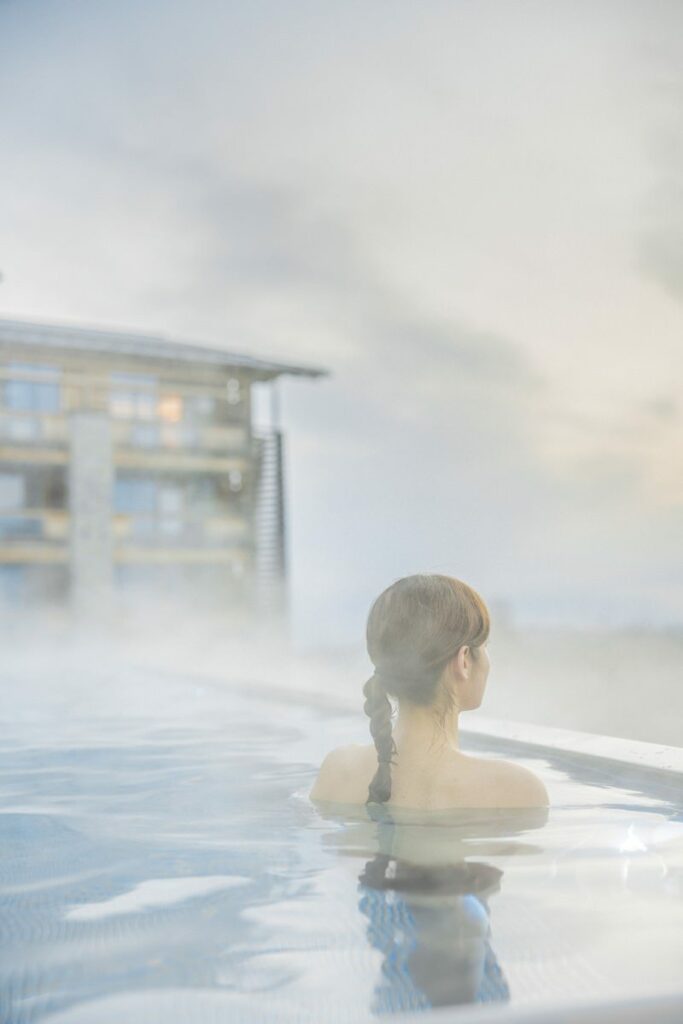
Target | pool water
(160,861)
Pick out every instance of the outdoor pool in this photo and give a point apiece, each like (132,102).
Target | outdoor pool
(160,862)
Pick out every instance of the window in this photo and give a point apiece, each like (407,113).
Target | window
(204,405)
(171,408)
(143,529)
(145,435)
(12,491)
(171,505)
(51,488)
(22,428)
(234,391)
(171,500)
(12,582)
(122,405)
(235,479)
(35,389)
(135,495)
(171,436)
(133,396)
(20,528)
(171,527)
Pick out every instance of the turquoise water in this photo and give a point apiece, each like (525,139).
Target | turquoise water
(161,862)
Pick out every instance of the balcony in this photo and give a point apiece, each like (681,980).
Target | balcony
(33,535)
(157,434)
(211,532)
(42,535)
(39,429)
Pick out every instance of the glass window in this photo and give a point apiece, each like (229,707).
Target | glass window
(20,528)
(171,503)
(11,582)
(133,396)
(146,435)
(204,405)
(171,500)
(143,528)
(134,495)
(122,405)
(12,491)
(234,391)
(28,394)
(146,406)
(51,487)
(192,438)
(171,436)
(22,428)
(171,527)
(171,408)
(201,495)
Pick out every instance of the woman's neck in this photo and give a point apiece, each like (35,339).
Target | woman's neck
(423,728)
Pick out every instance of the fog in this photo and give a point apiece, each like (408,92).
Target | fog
(470,214)
(59,670)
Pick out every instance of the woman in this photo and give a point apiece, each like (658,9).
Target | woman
(426,637)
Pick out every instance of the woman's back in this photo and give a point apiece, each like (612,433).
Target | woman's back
(427,638)
(429,781)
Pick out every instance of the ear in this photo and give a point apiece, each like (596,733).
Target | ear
(461,661)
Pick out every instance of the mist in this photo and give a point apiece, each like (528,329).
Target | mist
(470,215)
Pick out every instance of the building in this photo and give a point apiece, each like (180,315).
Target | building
(130,464)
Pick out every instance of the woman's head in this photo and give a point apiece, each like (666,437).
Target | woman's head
(424,637)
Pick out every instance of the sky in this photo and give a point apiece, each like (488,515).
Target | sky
(470,213)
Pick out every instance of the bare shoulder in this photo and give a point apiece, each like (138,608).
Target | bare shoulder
(343,775)
(516,785)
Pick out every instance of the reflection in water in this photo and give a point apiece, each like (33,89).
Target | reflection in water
(427,906)
(168,866)
(432,927)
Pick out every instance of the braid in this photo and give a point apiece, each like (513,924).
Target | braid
(378,709)
(374,874)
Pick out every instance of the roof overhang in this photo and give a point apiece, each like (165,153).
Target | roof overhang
(99,342)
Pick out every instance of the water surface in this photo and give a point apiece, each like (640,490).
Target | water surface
(161,862)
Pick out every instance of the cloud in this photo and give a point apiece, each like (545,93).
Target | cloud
(396,199)
(660,238)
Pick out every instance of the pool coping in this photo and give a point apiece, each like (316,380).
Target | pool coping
(640,753)
(609,748)
(662,1008)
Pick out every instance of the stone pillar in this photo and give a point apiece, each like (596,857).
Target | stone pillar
(90,512)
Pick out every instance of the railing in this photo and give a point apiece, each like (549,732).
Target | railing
(182,530)
(45,525)
(33,428)
(48,524)
(57,387)
(52,429)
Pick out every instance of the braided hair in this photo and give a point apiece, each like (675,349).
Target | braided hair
(377,707)
(414,628)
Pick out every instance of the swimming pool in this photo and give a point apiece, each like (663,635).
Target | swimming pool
(161,862)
